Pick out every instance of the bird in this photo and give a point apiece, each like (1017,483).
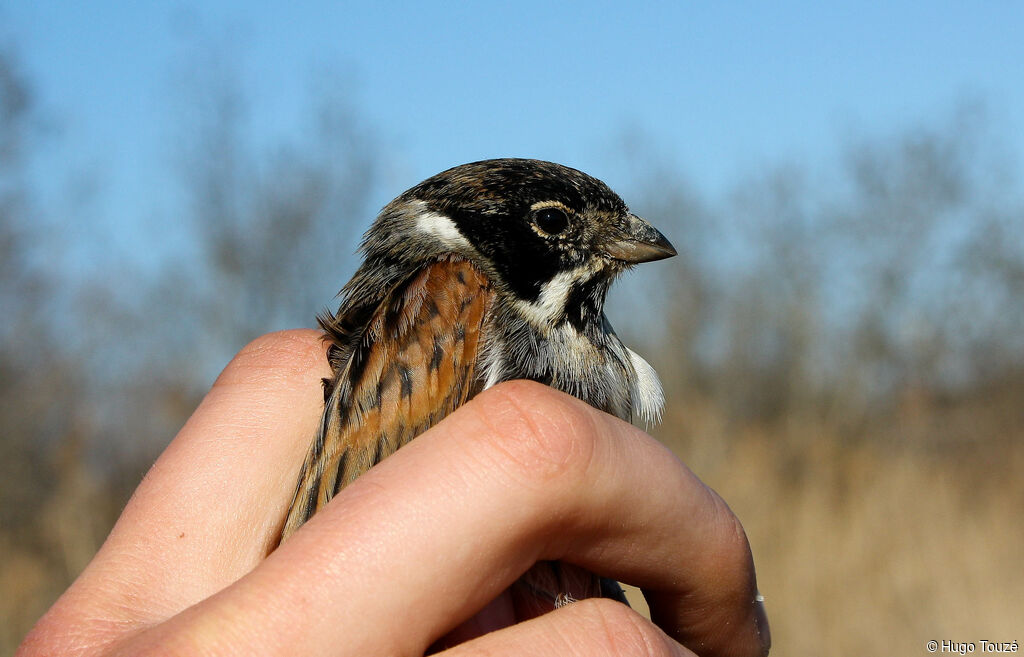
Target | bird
(486,272)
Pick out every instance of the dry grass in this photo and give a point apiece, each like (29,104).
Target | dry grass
(868,550)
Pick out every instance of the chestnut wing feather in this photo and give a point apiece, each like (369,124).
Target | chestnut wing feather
(415,363)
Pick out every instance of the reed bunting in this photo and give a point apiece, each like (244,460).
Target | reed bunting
(486,272)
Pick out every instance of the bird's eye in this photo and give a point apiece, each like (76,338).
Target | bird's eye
(551,220)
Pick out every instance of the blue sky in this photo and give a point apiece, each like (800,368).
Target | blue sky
(720,88)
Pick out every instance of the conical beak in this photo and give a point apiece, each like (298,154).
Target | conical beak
(641,243)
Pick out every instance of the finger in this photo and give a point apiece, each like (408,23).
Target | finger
(521,474)
(588,628)
(206,511)
(673,536)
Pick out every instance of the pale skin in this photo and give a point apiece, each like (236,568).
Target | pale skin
(416,546)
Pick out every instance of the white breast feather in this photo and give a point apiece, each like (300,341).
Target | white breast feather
(645,391)
(493,367)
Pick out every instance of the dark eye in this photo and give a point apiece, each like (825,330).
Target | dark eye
(551,220)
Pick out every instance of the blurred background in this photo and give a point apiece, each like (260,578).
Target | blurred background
(841,338)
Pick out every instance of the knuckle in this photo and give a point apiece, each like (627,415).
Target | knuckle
(623,631)
(541,436)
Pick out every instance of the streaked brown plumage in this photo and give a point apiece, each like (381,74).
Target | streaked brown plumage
(414,365)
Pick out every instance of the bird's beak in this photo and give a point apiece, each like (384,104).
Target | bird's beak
(641,243)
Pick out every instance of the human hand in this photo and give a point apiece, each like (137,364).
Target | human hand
(416,547)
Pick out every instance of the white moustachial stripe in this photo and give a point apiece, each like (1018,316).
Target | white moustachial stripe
(554,295)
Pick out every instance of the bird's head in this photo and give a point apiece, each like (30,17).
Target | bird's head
(551,238)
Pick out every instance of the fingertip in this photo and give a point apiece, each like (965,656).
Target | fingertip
(762,629)
(288,353)
(721,611)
